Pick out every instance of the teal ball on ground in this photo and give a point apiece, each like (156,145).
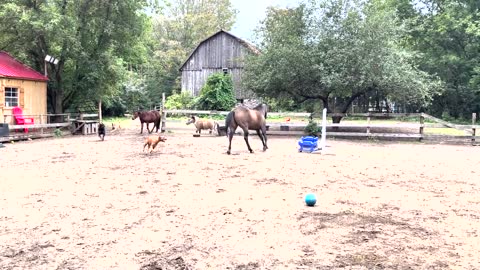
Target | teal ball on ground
(310,199)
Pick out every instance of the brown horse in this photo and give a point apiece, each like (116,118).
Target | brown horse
(148,117)
(247,119)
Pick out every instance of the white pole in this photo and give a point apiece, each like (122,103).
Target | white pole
(100,111)
(323,139)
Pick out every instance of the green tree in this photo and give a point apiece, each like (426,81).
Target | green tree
(177,30)
(335,52)
(447,33)
(178,101)
(217,94)
(93,39)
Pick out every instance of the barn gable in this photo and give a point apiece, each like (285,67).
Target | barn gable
(12,68)
(21,86)
(221,52)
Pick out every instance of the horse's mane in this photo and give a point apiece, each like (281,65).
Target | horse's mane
(262,107)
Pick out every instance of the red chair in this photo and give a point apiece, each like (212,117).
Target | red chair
(18,114)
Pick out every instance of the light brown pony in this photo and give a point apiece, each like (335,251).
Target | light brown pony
(200,124)
(247,119)
(152,141)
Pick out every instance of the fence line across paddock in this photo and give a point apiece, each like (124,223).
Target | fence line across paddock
(335,129)
(44,126)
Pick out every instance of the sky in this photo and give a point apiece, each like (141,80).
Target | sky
(251,12)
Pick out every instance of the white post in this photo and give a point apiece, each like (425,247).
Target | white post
(100,111)
(323,139)
(163,115)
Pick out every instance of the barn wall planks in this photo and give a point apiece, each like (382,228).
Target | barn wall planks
(222,50)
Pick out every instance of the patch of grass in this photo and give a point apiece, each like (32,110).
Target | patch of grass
(368,260)
(122,121)
(444,131)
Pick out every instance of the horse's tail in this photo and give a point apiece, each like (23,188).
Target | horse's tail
(229,119)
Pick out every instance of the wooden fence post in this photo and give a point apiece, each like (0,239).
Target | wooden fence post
(368,124)
(422,124)
(474,119)
(41,122)
(163,114)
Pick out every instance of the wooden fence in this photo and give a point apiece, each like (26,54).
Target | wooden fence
(367,130)
(42,128)
(42,122)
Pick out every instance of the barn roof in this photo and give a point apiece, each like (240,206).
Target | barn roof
(245,43)
(12,68)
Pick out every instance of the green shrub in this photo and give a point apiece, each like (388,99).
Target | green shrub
(217,94)
(178,101)
(57,133)
(312,129)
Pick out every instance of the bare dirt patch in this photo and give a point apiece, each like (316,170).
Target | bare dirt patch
(75,203)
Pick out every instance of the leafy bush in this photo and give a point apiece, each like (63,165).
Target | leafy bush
(312,129)
(114,106)
(217,94)
(177,101)
(57,133)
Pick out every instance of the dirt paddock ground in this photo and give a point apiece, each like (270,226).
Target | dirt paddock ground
(79,203)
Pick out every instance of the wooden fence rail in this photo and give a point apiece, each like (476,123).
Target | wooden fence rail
(300,114)
(276,128)
(42,122)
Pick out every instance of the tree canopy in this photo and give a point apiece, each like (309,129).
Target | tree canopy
(447,33)
(335,52)
(125,53)
(421,54)
(91,38)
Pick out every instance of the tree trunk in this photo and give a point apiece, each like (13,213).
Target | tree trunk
(336,119)
(58,109)
(387,106)
(59,98)
(346,105)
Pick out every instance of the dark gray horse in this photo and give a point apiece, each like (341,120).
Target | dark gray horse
(247,119)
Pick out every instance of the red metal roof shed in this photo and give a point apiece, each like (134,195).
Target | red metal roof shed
(12,68)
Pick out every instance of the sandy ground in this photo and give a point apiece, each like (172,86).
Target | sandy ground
(78,203)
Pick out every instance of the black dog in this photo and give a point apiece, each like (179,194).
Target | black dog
(101,131)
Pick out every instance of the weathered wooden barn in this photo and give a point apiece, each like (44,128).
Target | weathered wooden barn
(21,86)
(221,52)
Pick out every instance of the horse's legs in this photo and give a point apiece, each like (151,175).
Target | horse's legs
(230,136)
(149,131)
(245,136)
(264,133)
(141,129)
(261,138)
